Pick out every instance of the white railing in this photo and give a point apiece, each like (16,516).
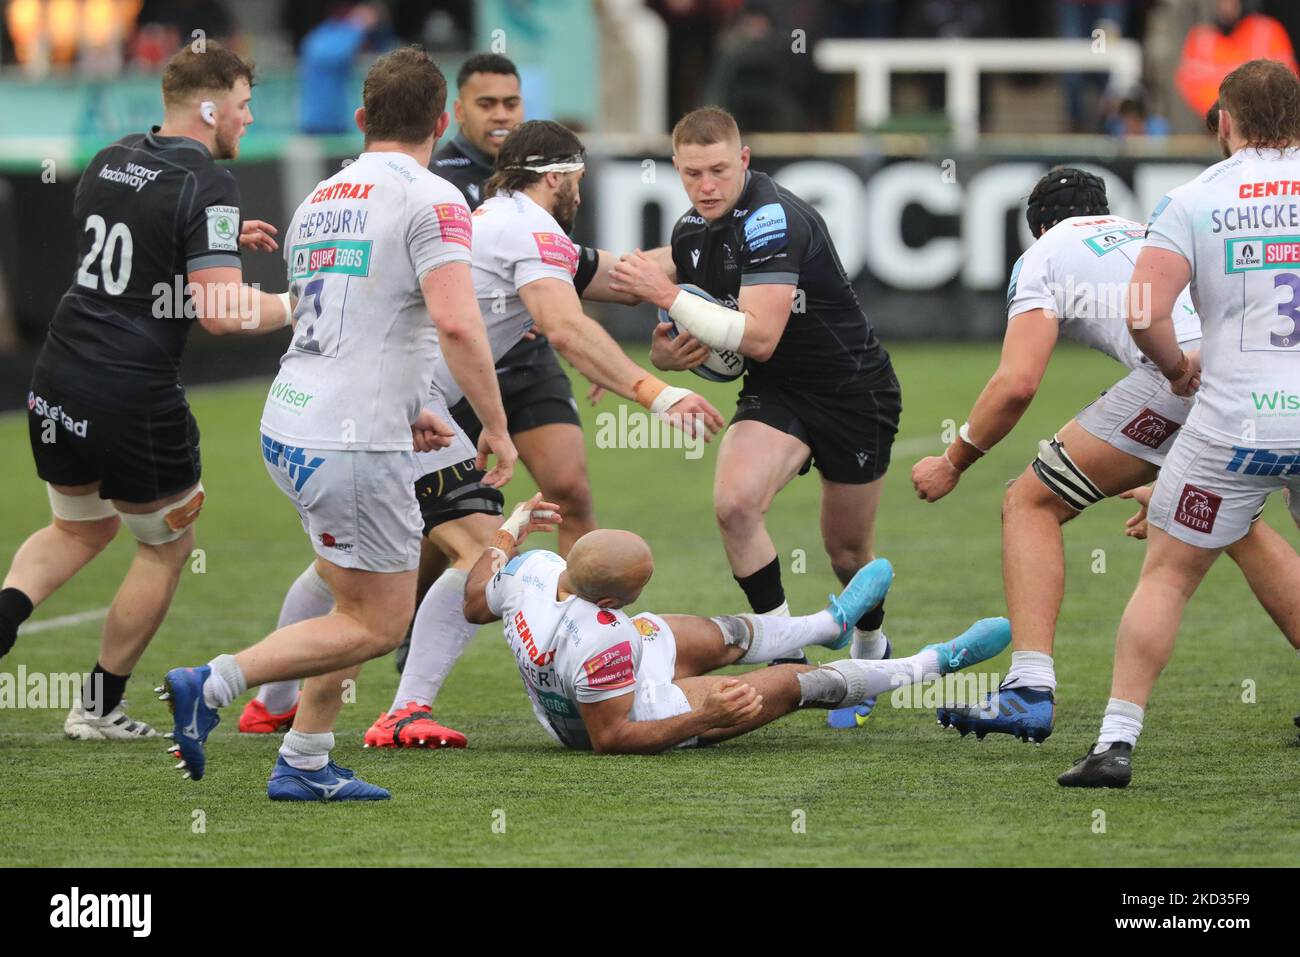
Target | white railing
(962,62)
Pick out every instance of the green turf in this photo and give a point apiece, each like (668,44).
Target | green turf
(1215,782)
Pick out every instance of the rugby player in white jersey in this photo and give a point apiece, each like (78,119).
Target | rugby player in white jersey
(1231,233)
(600,680)
(1073,282)
(523,268)
(375,252)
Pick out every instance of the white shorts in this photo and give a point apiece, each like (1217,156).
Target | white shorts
(461,447)
(1138,414)
(1208,492)
(357,507)
(656,696)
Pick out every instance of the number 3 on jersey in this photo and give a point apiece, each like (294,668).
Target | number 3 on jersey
(109,241)
(1289,338)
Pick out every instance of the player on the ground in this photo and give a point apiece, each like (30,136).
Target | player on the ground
(375,252)
(603,681)
(523,269)
(159,236)
(819,388)
(1230,233)
(1073,282)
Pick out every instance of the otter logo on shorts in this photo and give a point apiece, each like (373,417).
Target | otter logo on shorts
(1197,509)
(1150,429)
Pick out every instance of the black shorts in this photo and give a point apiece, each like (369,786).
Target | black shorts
(136,457)
(454,492)
(850,435)
(534,390)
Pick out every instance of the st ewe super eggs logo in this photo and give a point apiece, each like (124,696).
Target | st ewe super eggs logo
(612,668)
(1259,252)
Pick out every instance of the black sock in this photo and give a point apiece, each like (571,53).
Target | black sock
(102,691)
(872,619)
(763,588)
(15,608)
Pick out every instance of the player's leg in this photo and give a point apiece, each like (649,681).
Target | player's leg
(1271,567)
(555,455)
(755,461)
(82,526)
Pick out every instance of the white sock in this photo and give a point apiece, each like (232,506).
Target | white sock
(775,636)
(1031,669)
(1122,722)
(782,610)
(308,597)
(307,752)
(438,639)
(872,678)
(869,644)
(225,683)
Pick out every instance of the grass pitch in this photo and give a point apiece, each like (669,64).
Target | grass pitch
(1216,772)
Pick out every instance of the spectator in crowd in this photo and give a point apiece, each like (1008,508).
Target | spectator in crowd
(1213,50)
(91,34)
(693,27)
(166,24)
(756,76)
(1078,20)
(326,94)
(1131,116)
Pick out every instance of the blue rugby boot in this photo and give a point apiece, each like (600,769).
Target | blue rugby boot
(1023,713)
(855,716)
(192,719)
(985,639)
(865,591)
(330,783)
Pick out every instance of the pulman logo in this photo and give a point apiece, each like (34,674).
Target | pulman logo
(76,910)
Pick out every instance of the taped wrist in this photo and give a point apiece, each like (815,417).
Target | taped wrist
(714,325)
(288,308)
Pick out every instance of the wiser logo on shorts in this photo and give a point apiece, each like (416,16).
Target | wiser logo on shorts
(223,228)
(1197,509)
(1262,252)
(351,257)
(1150,429)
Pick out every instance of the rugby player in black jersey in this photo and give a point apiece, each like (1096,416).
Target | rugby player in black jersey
(158,246)
(819,389)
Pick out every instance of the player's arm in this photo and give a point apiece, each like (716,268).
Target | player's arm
(596,285)
(1159,277)
(1026,350)
(481,607)
(558,314)
(732,702)
(449,297)
(225,305)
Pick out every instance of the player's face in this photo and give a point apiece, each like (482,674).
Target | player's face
(568,198)
(234,115)
(713,176)
(488,108)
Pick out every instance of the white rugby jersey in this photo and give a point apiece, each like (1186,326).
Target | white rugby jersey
(358,368)
(1079,270)
(515,242)
(568,651)
(1238,224)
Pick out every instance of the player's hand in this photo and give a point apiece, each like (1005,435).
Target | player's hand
(675,355)
(255,234)
(695,415)
(636,274)
(531,516)
(429,432)
(1136,526)
(595,393)
(934,477)
(731,703)
(1187,384)
(500,445)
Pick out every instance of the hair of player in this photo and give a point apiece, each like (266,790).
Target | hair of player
(704,127)
(404,94)
(534,142)
(1263,99)
(188,73)
(485,63)
(1062,193)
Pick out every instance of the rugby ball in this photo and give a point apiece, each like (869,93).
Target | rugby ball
(720,366)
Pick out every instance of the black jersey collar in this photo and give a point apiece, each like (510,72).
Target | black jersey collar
(168,142)
(475,155)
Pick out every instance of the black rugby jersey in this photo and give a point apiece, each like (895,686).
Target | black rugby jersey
(773,236)
(149,210)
